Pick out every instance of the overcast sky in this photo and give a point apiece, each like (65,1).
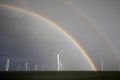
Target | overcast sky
(93,23)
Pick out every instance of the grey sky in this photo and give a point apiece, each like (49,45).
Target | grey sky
(103,13)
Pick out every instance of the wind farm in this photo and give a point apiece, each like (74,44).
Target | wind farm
(59,39)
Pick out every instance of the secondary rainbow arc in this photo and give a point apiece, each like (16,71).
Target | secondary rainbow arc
(94,26)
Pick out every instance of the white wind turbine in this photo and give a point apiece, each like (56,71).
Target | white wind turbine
(59,64)
(7,64)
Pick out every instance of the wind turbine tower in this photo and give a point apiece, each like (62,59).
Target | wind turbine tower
(61,66)
(59,61)
(19,67)
(7,64)
(26,66)
(36,67)
(42,67)
(101,65)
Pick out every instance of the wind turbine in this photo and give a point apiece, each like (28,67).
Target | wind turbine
(7,64)
(101,65)
(36,67)
(26,66)
(42,67)
(61,65)
(19,67)
(58,60)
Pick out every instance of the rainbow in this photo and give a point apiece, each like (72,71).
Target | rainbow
(94,26)
(55,26)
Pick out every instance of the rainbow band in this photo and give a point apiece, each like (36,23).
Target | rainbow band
(55,26)
(94,26)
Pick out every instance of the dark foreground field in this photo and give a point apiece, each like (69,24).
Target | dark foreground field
(61,75)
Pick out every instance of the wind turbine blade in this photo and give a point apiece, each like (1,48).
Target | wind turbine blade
(60,52)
